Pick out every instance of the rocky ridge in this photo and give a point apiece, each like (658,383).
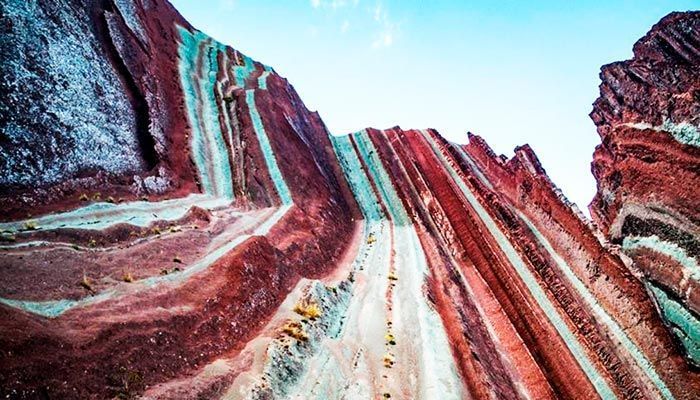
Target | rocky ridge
(207,238)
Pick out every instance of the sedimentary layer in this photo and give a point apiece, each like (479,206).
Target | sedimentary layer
(648,169)
(215,241)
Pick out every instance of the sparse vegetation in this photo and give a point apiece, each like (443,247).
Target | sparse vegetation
(30,226)
(86,283)
(125,383)
(295,330)
(371,239)
(308,310)
(389,337)
(166,271)
(388,360)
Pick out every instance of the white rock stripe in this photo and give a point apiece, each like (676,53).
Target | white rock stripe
(413,317)
(641,361)
(55,308)
(538,293)
(97,216)
(691,269)
(472,164)
(683,132)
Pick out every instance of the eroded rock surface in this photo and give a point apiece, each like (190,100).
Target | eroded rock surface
(243,252)
(648,168)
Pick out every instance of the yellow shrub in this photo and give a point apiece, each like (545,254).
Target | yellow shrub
(388,360)
(30,226)
(295,330)
(371,239)
(87,284)
(308,310)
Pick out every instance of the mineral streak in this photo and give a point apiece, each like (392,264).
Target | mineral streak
(178,225)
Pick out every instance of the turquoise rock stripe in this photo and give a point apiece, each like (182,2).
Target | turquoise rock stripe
(538,293)
(410,261)
(382,181)
(683,132)
(356,178)
(690,266)
(102,215)
(55,308)
(208,146)
(685,325)
(210,154)
(209,149)
(48,309)
(270,160)
(243,72)
(642,362)
(262,80)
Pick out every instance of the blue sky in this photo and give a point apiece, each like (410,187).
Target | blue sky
(513,72)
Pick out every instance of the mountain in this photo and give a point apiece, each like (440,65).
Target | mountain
(177,224)
(648,168)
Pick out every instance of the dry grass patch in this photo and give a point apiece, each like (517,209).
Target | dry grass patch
(295,330)
(308,310)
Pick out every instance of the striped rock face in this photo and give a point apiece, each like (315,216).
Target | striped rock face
(245,253)
(647,168)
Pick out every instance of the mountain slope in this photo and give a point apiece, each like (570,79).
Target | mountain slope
(207,238)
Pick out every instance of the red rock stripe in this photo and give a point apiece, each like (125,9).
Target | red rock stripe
(548,349)
(456,299)
(608,279)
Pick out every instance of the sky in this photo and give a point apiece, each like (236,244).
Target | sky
(513,72)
